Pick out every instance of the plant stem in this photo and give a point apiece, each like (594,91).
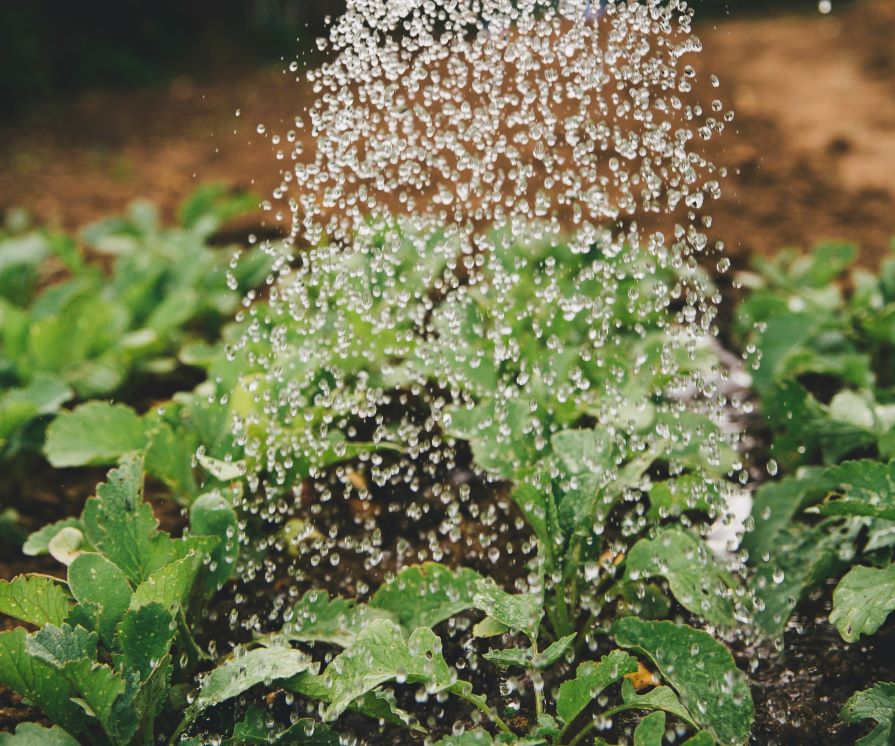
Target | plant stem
(582,733)
(558,613)
(483,707)
(539,699)
(582,633)
(573,596)
(193,651)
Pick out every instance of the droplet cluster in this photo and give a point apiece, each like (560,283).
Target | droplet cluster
(496,217)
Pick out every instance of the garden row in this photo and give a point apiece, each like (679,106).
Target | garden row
(623,627)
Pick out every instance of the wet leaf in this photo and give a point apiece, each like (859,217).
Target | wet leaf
(590,680)
(71,651)
(319,618)
(241,673)
(170,585)
(509,657)
(703,738)
(37,682)
(694,574)
(379,654)
(876,703)
(803,558)
(651,730)
(424,595)
(95,580)
(586,451)
(863,600)
(775,506)
(867,489)
(254,729)
(35,599)
(521,612)
(121,526)
(32,734)
(702,671)
(213,515)
(660,698)
(144,638)
(553,652)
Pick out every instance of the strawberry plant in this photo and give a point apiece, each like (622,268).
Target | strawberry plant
(93,334)
(390,641)
(113,641)
(594,463)
(823,343)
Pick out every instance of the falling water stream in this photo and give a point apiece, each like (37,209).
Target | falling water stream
(497,216)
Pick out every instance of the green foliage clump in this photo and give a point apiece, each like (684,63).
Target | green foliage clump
(823,334)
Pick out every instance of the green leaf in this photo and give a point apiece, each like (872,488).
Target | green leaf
(169,457)
(658,698)
(44,394)
(144,637)
(509,657)
(32,734)
(701,669)
(475,737)
(95,580)
(694,574)
(100,689)
(212,205)
(381,653)
(876,703)
(169,586)
(867,488)
(553,652)
(651,730)
(37,682)
(862,601)
(803,559)
(586,451)
(254,729)
(122,527)
(590,680)
(35,599)
(776,504)
(489,627)
(95,433)
(703,738)
(521,612)
(319,618)
(212,515)
(61,644)
(39,541)
(548,727)
(424,595)
(241,673)
(71,651)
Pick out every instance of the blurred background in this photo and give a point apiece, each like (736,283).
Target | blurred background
(105,101)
